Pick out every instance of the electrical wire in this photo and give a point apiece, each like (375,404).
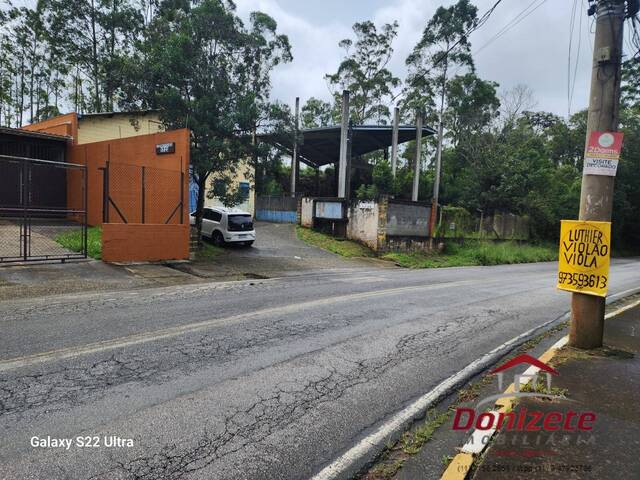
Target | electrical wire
(512,23)
(572,24)
(481,21)
(575,68)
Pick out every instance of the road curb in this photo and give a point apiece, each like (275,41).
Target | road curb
(463,461)
(367,449)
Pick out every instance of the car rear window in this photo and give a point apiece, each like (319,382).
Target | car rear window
(240,222)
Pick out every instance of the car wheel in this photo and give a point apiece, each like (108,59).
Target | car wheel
(217,238)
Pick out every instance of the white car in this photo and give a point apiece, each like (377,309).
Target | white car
(226,225)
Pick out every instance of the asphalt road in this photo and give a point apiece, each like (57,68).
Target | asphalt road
(253,379)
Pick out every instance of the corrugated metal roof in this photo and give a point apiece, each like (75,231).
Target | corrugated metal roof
(111,114)
(321,146)
(31,134)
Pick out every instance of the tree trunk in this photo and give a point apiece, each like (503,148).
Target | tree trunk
(202,183)
(94,39)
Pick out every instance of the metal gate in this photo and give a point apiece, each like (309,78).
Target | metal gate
(43,210)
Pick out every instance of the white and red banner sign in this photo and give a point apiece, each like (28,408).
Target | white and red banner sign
(602,153)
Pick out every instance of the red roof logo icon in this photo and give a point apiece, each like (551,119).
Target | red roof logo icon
(524,358)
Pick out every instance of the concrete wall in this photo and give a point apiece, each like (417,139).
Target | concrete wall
(144,242)
(306,212)
(407,219)
(363,223)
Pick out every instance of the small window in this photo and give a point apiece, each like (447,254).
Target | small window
(208,214)
(216,216)
(244,190)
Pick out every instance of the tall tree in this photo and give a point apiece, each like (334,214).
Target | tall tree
(443,46)
(317,113)
(472,106)
(363,71)
(203,70)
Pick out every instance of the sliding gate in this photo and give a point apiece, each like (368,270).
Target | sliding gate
(43,210)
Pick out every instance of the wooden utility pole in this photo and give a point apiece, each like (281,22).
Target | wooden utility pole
(394,141)
(344,133)
(295,163)
(596,197)
(416,170)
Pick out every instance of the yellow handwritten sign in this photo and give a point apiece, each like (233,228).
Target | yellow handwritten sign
(583,263)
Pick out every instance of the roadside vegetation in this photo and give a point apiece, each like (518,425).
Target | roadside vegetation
(73,241)
(476,253)
(208,251)
(342,247)
(454,255)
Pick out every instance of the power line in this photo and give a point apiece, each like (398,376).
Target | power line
(572,85)
(481,21)
(511,23)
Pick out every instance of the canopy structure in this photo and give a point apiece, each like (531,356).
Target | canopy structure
(321,146)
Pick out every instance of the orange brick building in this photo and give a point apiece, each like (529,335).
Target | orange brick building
(137,182)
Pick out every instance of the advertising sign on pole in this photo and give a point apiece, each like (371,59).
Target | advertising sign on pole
(583,262)
(602,153)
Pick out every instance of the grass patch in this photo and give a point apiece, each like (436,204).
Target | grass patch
(345,248)
(73,241)
(540,386)
(207,251)
(414,440)
(476,253)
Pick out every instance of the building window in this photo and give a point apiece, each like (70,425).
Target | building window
(244,191)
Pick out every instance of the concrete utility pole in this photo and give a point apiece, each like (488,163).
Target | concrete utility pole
(596,197)
(416,171)
(344,133)
(295,163)
(436,183)
(394,141)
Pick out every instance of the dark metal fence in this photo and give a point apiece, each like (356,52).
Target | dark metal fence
(135,194)
(43,214)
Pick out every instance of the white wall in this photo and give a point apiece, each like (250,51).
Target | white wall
(363,223)
(306,214)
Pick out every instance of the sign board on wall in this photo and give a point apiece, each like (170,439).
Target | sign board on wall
(602,153)
(583,263)
(164,148)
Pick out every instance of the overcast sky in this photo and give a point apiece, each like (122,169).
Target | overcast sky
(534,52)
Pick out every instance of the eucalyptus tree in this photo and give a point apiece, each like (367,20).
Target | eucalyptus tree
(364,72)
(317,113)
(92,36)
(443,46)
(202,69)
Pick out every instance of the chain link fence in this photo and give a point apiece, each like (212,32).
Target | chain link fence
(42,210)
(137,194)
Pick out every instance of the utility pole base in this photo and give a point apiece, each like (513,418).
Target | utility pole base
(587,321)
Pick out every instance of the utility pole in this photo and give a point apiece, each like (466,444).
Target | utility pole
(394,141)
(436,183)
(344,133)
(596,196)
(295,163)
(416,171)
